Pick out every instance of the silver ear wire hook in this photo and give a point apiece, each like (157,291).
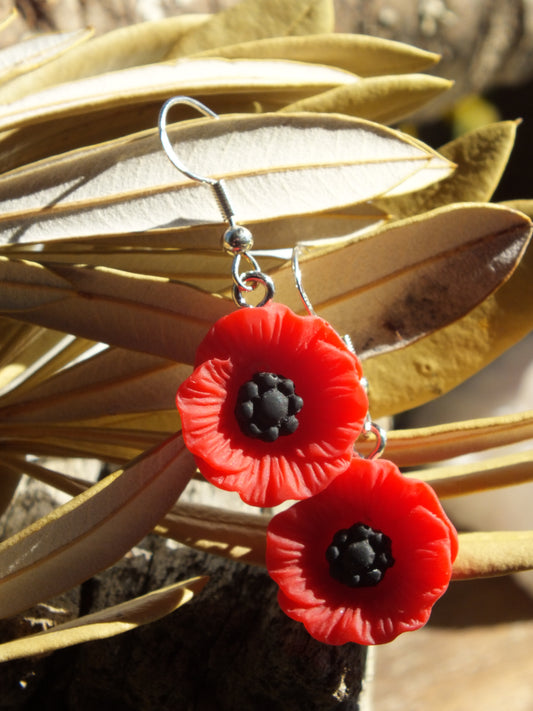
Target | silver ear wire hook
(297,272)
(218,186)
(369,427)
(237,240)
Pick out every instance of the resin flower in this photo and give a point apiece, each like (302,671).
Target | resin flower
(274,406)
(364,560)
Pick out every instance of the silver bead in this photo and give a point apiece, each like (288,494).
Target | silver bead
(237,240)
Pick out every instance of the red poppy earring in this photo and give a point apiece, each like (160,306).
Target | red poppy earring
(367,558)
(276,402)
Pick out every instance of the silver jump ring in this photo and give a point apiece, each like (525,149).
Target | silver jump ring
(237,279)
(256,278)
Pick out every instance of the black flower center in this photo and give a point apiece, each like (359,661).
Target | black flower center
(267,407)
(359,556)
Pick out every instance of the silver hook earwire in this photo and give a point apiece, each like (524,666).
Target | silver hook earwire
(218,186)
(236,240)
(369,427)
(297,272)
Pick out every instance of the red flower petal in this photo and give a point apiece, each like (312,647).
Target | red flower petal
(424,545)
(326,376)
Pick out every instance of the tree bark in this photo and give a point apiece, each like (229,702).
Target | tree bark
(229,648)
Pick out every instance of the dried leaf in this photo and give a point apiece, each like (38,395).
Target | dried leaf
(193,254)
(525,206)
(409,377)
(480,156)
(146,314)
(432,444)
(31,354)
(489,554)
(93,530)
(231,534)
(273,164)
(8,19)
(144,43)
(106,623)
(36,51)
(154,82)
(113,382)
(257,19)
(385,99)
(461,479)
(405,280)
(360,54)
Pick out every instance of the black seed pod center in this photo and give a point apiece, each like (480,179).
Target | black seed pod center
(359,556)
(267,407)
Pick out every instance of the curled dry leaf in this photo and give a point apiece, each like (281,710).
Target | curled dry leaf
(113,405)
(489,554)
(406,378)
(362,55)
(92,531)
(9,480)
(31,354)
(405,280)
(112,382)
(273,165)
(105,623)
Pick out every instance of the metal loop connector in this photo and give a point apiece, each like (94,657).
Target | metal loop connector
(238,279)
(255,278)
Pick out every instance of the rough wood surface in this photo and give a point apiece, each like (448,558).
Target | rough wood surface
(230,648)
